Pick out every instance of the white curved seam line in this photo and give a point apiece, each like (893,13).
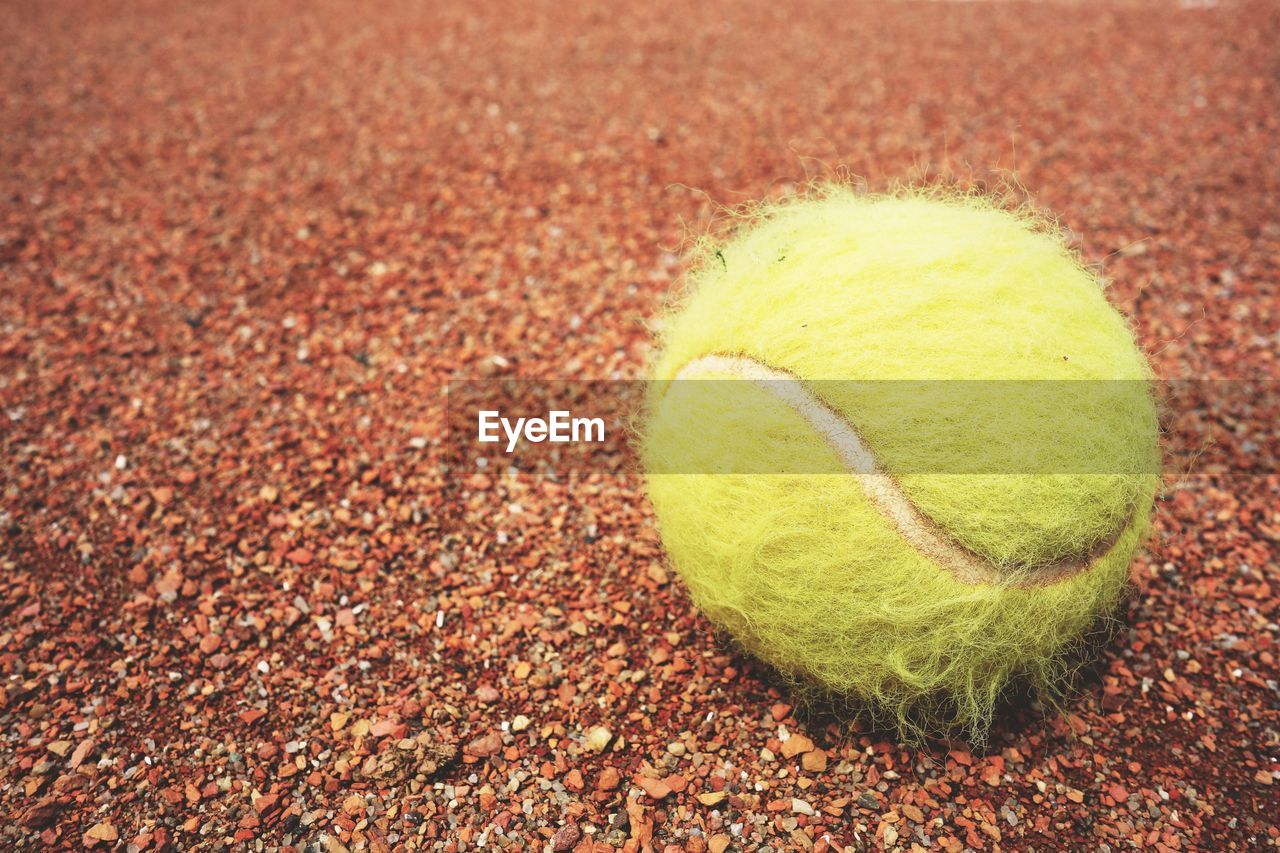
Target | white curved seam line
(880,488)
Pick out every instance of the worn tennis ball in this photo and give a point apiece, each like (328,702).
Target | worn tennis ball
(846,508)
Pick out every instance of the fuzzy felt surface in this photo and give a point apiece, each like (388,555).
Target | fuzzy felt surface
(808,573)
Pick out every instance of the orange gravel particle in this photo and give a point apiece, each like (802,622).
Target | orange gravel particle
(609,779)
(655,788)
(795,745)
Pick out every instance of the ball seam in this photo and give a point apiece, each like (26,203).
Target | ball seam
(882,488)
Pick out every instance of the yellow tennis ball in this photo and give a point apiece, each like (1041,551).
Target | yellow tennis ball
(902,448)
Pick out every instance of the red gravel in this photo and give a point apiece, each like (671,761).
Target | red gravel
(242,248)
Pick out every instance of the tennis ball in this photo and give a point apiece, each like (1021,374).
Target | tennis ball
(853,514)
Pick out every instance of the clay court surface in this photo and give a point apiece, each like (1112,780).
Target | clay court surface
(243,247)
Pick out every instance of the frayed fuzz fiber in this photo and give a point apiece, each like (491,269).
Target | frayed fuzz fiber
(920,593)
